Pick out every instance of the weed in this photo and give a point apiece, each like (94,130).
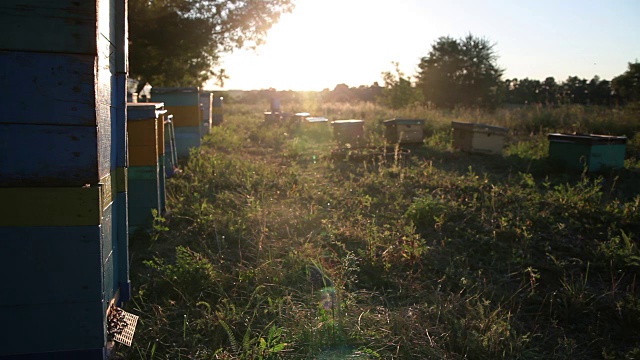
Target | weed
(277,249)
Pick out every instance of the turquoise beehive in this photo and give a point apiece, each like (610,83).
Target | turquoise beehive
(593,152)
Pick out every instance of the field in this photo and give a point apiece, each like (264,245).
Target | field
(275,247)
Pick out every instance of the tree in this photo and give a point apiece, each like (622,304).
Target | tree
(550,90)
(179,42)
(627,85)
(398,91)
(599,91)
(525,91)
(460,72)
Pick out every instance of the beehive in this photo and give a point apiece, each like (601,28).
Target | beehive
(62,176)
(184,104)
(316,120)
(206,99)
(349,132)
(217,113)
(300,117)
(272,117)
(146,162)
(478,138)
(171,156)
(594,152)
(404,131)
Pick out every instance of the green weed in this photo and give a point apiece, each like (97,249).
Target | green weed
(276,248)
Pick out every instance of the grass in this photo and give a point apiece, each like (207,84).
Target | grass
(276,249)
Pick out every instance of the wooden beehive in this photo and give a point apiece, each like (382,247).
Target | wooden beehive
(62,175)
(171,156)
(478,138)
(184,104)
(217,112)
(404,131)
(145,178)
(206,102)
(300,117)
(272,117)
(593,152)
(349,132)
(316,120)
(161,162)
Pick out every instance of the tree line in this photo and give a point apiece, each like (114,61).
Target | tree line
(464,72)
(400,91)
(179,43)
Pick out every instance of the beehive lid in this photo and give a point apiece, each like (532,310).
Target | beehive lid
(302,114)
(479,127)
(350,121)
(589,139)
(138,111)
(399,121)
(166,90)
(316,119)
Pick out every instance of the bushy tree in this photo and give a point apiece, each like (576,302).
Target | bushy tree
(550,90)
(524,91)
(460,72)
(599,91)
(344,93)
(574,90)
(179,42)
(627,85)
(398,91)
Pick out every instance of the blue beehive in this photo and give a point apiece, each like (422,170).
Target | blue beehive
(63,223)
(146,179)
(595,152)
(184,104)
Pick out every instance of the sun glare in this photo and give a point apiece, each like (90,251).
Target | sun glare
(323,43)
(313,48)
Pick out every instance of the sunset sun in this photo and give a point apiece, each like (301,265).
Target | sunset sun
(325,43)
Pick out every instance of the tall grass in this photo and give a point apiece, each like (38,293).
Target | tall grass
(276,249)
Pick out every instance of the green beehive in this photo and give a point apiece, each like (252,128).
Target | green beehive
(595,152)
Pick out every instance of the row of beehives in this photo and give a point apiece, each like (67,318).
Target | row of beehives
(576,151)
(161,132)
(74,183)
(72,178)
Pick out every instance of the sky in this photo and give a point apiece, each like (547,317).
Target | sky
(323,43)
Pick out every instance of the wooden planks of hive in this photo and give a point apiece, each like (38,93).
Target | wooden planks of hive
(62,166)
